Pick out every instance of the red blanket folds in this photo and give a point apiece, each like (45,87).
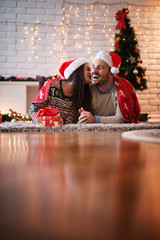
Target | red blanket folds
(127,100)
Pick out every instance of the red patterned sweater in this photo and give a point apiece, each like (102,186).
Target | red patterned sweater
(51,94)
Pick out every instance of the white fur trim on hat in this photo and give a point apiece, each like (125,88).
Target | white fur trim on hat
(74,65)
(113,60)
(105,57)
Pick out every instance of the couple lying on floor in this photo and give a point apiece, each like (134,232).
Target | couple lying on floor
(89,95)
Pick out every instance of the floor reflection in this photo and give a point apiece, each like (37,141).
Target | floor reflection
(57,184)
(14,148)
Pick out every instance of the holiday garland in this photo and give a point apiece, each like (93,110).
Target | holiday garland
(14,117)
(28,79)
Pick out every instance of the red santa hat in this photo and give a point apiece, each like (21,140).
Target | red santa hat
(67,68)
(112,59)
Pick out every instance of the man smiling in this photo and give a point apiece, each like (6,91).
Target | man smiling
(113,98)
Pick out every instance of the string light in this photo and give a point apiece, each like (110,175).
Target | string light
(25,31)
(91,28)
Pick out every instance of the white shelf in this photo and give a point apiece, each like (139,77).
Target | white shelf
(36,83)
(17,95)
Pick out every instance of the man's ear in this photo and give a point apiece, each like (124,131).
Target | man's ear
(111,75)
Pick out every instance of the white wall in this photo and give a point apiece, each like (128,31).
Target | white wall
(86,30)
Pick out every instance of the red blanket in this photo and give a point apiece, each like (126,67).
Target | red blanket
(43,92)
(127,100)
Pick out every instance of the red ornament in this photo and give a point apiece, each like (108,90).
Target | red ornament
(116,44)
(136,51)
(126,74)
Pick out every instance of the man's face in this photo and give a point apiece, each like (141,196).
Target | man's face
(100,72)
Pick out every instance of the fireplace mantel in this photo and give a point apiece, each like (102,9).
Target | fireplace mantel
(17,95)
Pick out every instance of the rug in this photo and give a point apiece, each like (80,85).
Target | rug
(30,127)
(150,135)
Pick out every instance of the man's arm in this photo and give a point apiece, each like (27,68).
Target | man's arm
(117,118)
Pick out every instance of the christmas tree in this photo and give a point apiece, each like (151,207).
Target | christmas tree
(126,46)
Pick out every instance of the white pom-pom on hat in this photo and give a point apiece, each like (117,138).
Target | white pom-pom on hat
(116,59)
(114,70)
(67,68)
(112,59)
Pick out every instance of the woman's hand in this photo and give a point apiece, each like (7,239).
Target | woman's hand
(60,119)
(86,117)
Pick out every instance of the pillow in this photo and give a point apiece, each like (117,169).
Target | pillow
(41,80)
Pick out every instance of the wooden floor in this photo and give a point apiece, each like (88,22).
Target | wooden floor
(78,185)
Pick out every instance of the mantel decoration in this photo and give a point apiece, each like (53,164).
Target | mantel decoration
(15,79)
(28,79)
(13,116)
(40,79)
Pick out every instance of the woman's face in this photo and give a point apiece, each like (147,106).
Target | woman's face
(87,73)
